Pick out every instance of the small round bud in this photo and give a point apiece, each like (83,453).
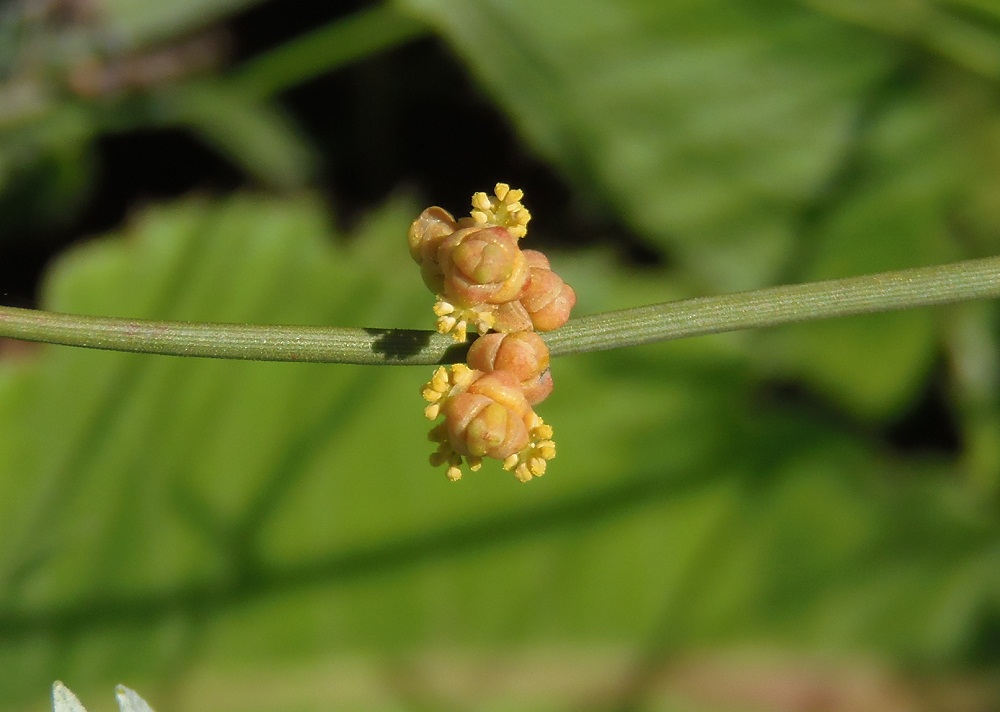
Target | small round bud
(478,427)
(541,388)
(488,419)
(547,299)
(504,388)
(427,231)
(482,266)
(426,234)
(522,353)
(534,258)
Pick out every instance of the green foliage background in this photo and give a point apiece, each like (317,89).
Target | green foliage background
(223,535)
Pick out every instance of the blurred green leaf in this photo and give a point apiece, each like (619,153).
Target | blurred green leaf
(330,47)
(708,126)
(138,23)
(987,8)
(198,524)
(895,213)
(756,144)
(45,166)
(255,135)
(960,31)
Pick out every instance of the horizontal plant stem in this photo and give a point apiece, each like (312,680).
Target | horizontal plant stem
(882,292)
(887,291)
(248,342)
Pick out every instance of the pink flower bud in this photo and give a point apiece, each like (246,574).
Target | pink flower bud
(538,390)
(426,234)
(547,299)
(534,258)
(502,387)
(488,419)
(427,231)
(522,353)
(482,266)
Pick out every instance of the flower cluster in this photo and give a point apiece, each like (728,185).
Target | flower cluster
(484,280)
(479,273)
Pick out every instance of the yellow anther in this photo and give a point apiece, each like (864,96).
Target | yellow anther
(441,307)
(431,396)
(485,320)
(441,378)
(502,210)
(481,201)
(532,461)
(456,320)
(446,323)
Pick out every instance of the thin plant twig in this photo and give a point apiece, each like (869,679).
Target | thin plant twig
(886,291)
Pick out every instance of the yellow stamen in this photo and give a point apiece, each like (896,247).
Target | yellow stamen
(456,320)
(440,380)
(441,307)
(431,396)
(481,201)
(502,210)
(445,324)
(532,461)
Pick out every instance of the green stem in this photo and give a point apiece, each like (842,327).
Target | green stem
(360,35)
(887,291)
(251,342)
(882,292)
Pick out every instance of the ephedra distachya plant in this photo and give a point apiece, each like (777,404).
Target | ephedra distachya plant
(484,393)
(483,280)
